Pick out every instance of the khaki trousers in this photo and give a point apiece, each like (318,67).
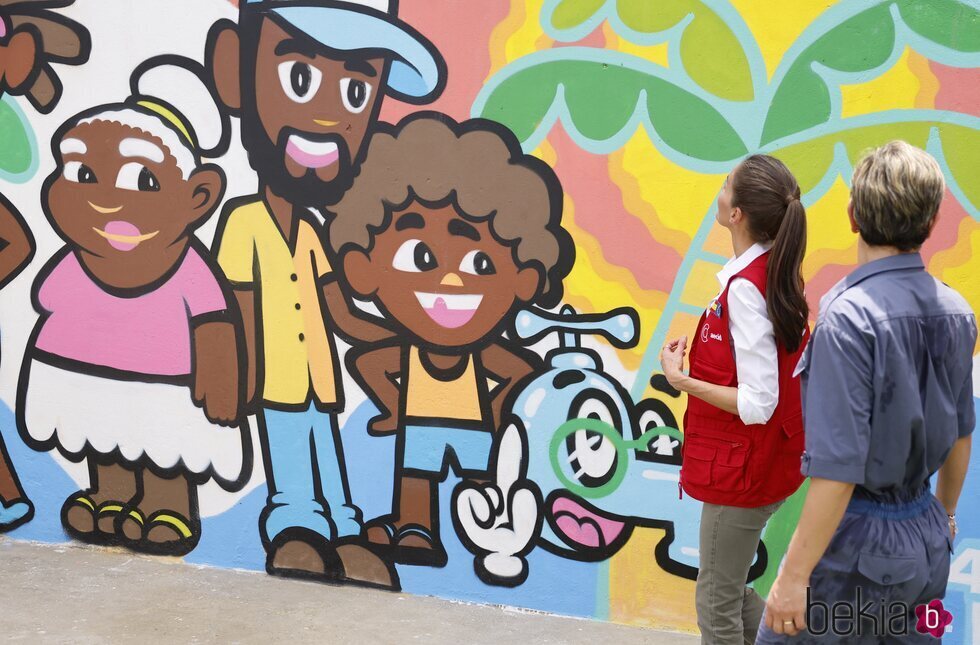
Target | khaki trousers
(729,612)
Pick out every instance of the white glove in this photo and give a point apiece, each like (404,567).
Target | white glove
(500,520)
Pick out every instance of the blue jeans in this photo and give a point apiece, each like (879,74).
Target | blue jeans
(892,550)
(306,479)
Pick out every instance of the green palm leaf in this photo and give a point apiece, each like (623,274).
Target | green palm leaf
(601,98)
(949,23)
(569,14)
(953,138)
(865,42)
(709,50)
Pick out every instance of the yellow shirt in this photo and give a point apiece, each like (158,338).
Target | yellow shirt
(429,397)
(298,350)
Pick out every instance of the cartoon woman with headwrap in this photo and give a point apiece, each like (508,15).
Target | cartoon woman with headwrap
(134,364)
(31,38)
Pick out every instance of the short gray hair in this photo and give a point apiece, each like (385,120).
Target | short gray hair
(896,191)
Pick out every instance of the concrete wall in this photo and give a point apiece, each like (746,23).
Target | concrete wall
(640,109)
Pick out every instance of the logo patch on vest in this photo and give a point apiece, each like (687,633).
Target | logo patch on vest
(715,308)
(706,334)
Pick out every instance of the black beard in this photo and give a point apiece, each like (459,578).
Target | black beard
(267,160)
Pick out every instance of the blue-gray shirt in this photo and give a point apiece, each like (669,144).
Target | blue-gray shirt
(887,377)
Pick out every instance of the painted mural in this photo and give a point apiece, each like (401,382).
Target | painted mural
(372,292)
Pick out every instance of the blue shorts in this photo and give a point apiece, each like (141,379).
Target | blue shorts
(883,552)
(430,449)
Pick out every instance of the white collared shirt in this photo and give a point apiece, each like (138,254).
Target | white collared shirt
(753,341)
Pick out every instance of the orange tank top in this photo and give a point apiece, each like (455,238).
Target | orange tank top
(429,397)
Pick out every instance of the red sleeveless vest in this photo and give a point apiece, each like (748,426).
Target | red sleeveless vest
(725,461)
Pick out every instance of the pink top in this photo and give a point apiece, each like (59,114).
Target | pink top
(148,334)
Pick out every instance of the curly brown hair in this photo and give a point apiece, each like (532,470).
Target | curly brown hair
(479,167)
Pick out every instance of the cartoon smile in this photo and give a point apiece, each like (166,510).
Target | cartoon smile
(105,210)
(312,154)
(585,529)
(123,236)
(449,311)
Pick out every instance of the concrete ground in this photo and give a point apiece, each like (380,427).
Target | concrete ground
(74,594)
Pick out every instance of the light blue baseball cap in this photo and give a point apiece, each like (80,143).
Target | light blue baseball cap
(417,71)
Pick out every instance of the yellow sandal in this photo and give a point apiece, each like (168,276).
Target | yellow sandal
(188,530)
(81,500)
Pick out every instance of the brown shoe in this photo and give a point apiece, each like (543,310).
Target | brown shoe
(301,553)
(415,544)
(406,544)
(364,567)
(380,533)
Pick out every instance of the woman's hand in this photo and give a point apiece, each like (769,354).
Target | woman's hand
(672,362)
(216,372)
(786,605)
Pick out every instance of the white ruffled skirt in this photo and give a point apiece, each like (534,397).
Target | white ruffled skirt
(138,421)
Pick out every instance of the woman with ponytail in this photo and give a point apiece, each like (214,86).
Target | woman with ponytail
(743,429)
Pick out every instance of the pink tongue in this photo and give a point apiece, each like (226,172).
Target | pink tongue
(449,318)
(579,524)
(311,160)
(585,534)
(122,228)
(3,27)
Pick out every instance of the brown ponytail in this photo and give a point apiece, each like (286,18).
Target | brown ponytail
(766,191)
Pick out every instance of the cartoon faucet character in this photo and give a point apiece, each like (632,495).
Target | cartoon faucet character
(578,465)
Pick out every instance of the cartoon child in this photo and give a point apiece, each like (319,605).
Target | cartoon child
(450,230)
(307,79)
(133,366)
(30,39)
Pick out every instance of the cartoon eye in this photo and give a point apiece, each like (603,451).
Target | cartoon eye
(136,176)
(653,414)
(477,263)
(651,419)
(300,81)
(79,173)
(355,94)
(592,455)
(414,256)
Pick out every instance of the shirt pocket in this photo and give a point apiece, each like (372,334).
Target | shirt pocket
(719,463)
(715,374)
(792,427)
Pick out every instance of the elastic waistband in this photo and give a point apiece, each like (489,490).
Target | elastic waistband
(891,510)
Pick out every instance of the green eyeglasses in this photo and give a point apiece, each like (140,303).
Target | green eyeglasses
(563,465)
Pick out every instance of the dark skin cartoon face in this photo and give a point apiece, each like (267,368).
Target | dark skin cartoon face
(315,109)
(442,277)
(119,198)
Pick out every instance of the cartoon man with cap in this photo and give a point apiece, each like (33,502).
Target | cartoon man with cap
(307,78)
